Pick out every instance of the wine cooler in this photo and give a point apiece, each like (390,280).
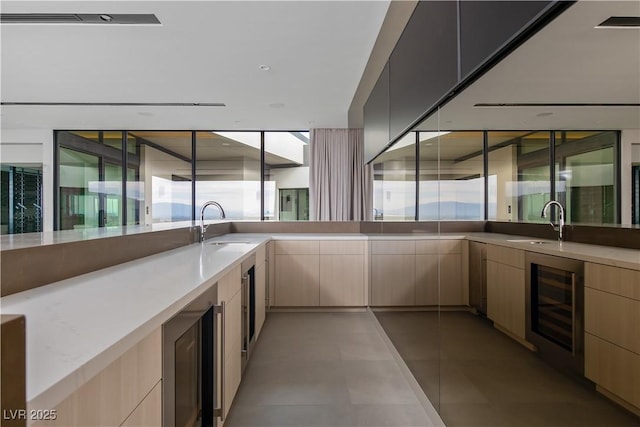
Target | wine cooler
(555,309)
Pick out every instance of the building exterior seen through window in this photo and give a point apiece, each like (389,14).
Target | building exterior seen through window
(113,178)
(169,174)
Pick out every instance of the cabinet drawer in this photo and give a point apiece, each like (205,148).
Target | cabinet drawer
(613,318)
(613,368)
(504,255)
(341,247)
(436,246)
(393,247)
(615,280)
(297,247)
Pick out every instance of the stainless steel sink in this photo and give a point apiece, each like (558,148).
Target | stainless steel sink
(531,242)
(220,243)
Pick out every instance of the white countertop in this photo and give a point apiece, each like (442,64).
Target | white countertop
(76,327)
(28,240)
(618,257)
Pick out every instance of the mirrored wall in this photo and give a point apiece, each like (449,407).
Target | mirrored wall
(498,176)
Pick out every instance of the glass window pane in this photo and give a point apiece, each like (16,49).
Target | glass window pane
(79,196)
(163,191)
(585,179)
(228,172)
(451,176)
(286,176)
(519,177)
(112,187)
(394,182)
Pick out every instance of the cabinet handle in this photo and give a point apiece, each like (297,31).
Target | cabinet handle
(220,309)
(247,314)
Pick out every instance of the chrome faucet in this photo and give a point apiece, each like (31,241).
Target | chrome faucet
(560,225)
(203,227)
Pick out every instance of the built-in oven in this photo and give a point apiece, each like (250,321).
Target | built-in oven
(248,328)
(190,346)
(555,309)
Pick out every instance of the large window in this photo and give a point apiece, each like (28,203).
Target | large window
(228,171)
(286,176)
(162,182)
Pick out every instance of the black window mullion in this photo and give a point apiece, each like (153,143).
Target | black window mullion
(193,176)
(125,163)
(262,171)
(417,208)
(56,182)
(485,167)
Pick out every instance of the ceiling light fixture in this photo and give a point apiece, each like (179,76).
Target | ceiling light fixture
(620,22)
(115,104)
(557,104)
(79,18)
(264,67)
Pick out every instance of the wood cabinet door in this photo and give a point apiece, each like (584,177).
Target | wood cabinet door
(297,280)
(342,280)
(260,295)
(393,279)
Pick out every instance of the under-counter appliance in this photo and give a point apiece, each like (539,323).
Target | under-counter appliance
(248,308)
(555,309)
(189,346)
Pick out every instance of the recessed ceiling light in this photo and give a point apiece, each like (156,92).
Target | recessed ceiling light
(264,67)
(106,18)
(226,144)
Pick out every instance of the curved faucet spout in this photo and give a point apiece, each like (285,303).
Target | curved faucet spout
(560,225)
(203,227)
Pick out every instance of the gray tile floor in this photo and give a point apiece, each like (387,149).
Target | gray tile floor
(477,376)
(324,369)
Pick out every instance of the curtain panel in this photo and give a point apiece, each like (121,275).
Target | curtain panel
(337,186)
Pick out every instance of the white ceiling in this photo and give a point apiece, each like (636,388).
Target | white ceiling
(204,51)
(568,61)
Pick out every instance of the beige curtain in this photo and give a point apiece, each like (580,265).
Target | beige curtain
(337,187)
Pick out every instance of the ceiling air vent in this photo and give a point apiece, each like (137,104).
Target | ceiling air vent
(621,22)
(78,18)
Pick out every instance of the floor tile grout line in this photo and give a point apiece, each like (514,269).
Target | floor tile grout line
(428,407)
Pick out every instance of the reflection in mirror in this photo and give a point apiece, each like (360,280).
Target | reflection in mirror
(451,176)
(519,181)
(585,176)
(394,182)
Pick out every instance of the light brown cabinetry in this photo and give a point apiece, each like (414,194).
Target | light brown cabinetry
(418,272)
(506,289)
(229,293)
(149,411)
(439,272)
(320,273)
(112,396)
(260,296)
(612,325)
